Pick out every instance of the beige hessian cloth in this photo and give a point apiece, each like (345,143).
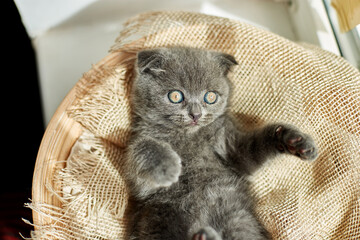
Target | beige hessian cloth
(276,80)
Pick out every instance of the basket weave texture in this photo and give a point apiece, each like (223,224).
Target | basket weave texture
(276,81)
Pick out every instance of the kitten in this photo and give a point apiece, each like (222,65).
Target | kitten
(188,163)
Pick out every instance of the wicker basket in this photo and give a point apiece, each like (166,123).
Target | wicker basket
(60,135)
(276,80)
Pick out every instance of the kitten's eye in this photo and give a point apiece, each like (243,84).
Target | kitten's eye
(210,97)
(176,96)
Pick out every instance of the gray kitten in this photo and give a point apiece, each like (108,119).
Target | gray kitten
(188,162)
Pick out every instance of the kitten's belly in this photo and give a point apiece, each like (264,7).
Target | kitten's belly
(217,187)
(207,188)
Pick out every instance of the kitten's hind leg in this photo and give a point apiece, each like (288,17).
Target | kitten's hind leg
(207,233)
(235,229)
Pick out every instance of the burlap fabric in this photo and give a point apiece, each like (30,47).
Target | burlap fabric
(276,80)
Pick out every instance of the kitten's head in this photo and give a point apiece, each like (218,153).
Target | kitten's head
(181,88)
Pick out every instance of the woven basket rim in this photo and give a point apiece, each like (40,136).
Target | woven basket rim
(58,139)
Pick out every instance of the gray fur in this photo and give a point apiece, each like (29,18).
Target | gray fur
(189,181)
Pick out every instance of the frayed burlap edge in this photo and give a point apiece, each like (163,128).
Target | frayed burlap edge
(86,212)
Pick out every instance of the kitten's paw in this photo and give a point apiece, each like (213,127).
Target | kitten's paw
(168,171)
(160,165)
(207,233)
(156,163)
(295,142)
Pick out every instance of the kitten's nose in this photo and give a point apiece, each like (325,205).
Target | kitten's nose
(195,116)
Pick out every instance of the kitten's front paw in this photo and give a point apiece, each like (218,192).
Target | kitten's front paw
(167,172)
(295,142)
(160,165)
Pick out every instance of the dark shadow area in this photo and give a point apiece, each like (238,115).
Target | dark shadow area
(22,123)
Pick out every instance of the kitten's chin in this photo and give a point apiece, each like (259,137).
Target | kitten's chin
(192,127)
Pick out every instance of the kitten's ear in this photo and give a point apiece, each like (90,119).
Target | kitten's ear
(226,61)
(150,61)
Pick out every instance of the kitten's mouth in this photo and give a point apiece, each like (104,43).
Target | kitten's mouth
(194,123)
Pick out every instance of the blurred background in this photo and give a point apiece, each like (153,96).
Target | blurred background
(50,44)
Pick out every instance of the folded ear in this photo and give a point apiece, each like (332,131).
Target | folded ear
(226,61)
(150,61)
